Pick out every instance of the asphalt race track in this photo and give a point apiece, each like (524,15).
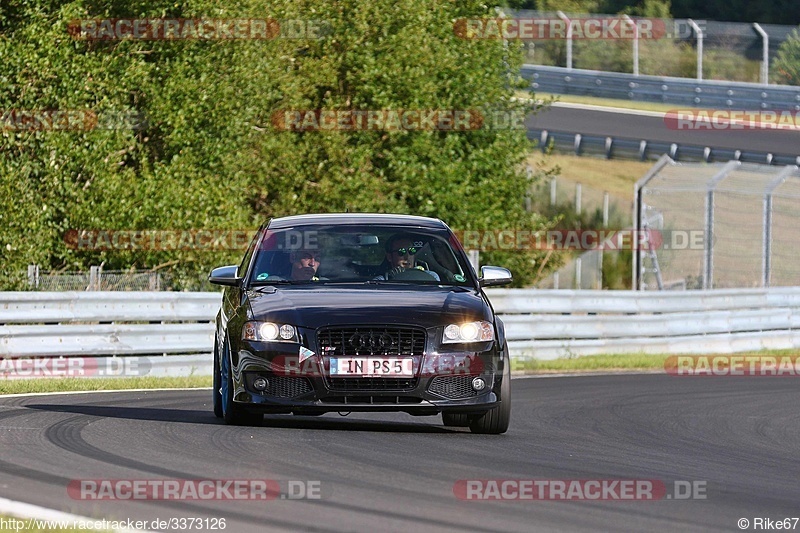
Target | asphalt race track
(394,472)
(634,126)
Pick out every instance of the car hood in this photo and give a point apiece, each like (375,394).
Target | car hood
(329,306)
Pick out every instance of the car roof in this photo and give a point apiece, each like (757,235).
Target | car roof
(356,219)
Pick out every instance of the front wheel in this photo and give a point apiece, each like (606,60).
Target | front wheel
(496,421)
(232,414)
(216,394)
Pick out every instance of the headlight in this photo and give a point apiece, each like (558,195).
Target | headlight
(468,332)
(269,331)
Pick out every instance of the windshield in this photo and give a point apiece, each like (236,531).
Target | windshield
(360,253)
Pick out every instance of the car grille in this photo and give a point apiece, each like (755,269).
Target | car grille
(372,384)
(372,340)
(453,387)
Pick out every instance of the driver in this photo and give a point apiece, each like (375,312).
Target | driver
(401,250)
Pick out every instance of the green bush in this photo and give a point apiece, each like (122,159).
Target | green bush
(208,156)
(786,66)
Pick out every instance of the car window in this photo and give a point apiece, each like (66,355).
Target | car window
(360,253)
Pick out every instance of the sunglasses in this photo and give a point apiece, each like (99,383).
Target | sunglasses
(402,251)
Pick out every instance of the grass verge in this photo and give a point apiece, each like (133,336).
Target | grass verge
(589,363)
(618,362)
(22,386)
(604,102)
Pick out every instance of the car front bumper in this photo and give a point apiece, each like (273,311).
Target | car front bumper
(309,389)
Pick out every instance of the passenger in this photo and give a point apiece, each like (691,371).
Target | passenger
(305,264)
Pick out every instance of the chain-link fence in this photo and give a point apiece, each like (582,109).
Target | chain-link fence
(718,226)
(579,206)
(582,272)
(97,279)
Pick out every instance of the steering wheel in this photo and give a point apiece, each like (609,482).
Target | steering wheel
(409,274)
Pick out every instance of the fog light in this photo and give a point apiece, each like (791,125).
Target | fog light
(478,384)
(260,384)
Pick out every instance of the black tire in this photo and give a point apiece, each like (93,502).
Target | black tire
(496,421)
(456,420)
(216,394)
(232,413)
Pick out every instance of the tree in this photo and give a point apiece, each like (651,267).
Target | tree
(786,66)
(208,155)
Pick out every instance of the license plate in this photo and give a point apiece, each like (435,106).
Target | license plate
(372,366)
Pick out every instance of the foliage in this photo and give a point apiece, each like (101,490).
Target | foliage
(786,66)
(207,156)
(616,263)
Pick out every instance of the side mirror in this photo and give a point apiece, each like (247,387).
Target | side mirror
(492,276)
(225,276)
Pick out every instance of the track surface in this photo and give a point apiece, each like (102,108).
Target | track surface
(614,124)
(394,472)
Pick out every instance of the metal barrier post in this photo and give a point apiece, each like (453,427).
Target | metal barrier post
(630,21)
(766,236)
(568,22)
(708,259)
(699,33)
(764,53)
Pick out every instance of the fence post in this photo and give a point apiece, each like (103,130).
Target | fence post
(699,33)
(33,275)
(605,209)
(553,191)
(578,273)
(630,21)
(568,22)
(766,235)
(638,208)
(708,259)
(599,284)
(529,175)
(94,278)
(578,198)
(764,53)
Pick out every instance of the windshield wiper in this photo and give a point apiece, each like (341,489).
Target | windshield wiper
(265,283)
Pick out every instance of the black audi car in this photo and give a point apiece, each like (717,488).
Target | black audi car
(360,312)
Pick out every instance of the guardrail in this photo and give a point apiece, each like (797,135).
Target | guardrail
(644,150)
(679,91)
(547,324)
(174,331)
(168,333)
